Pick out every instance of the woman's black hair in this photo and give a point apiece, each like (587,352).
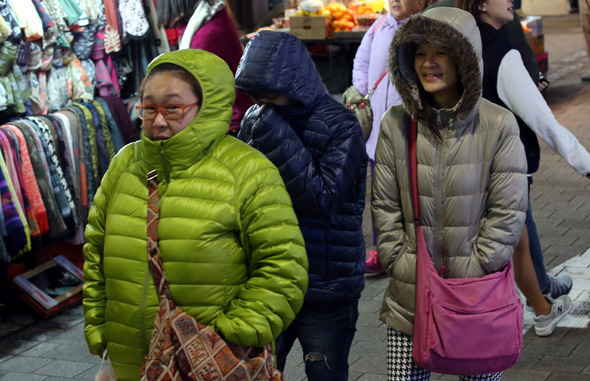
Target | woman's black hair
(173,12)
(471,6)
(181,72)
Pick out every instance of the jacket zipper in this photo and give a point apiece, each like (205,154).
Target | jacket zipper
(437,260)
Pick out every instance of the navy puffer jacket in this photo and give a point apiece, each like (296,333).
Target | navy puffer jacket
(319,149)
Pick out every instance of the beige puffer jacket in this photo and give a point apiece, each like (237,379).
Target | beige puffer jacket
(472,184)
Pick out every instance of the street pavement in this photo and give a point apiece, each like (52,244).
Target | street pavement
(51,349)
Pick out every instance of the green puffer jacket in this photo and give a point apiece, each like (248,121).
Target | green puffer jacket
(231,245)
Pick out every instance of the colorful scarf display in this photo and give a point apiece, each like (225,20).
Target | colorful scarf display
(30,182)
(14,168)
(51,166)
(62,193)
(19,237)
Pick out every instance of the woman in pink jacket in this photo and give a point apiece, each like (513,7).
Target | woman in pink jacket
(370,63)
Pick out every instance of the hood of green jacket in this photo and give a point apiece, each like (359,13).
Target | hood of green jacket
(211,123)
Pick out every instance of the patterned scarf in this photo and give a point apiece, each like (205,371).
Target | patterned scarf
(62,152)
(112,40)
(103,125)
(60,189)
(87,182)
(92,158)
(18,238)
(79,158)
(116,135)
(101,140)
(10,166)
(57,230)
(30,182)
(122,118)
(68,135)
(14,168)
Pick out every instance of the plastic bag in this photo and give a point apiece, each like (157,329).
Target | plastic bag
(105,372)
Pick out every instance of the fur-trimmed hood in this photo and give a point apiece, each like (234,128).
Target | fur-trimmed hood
(455,31)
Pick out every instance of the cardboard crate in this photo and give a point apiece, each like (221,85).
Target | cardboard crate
(51,287)
(545,7)
(309,27)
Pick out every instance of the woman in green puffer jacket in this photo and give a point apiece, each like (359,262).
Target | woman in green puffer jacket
(231,245)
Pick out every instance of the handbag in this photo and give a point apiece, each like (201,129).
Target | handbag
(462,326)
(361,106)
(183,349)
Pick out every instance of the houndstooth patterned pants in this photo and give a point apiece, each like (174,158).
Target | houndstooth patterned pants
(401,365)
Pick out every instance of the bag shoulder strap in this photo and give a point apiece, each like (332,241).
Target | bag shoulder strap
(153,252)
(377,29)
(372,89)
(153,212)
(412,135)
(378,24)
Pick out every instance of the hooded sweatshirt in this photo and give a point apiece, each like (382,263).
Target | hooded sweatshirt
(232,251)
(506,84)
(319,149)
(471,181)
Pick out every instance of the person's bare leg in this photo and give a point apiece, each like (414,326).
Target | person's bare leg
(526,278)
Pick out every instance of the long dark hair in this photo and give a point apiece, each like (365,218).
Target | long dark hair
(180,72)
(471,6)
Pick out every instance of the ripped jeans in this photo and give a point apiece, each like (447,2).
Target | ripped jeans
(325,332)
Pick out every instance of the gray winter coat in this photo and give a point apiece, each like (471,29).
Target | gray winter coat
(472,182)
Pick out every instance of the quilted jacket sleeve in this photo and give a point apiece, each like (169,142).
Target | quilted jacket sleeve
(94,302)
(318,183)
(386,208)
(273,294)
(360,68)
(506,203)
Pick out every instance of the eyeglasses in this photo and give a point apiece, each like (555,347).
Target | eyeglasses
(169,112)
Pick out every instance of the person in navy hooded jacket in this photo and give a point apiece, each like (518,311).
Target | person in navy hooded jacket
(318,146)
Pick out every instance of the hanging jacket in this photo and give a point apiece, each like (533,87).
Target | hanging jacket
(232,251)
(319,149)
(472,182)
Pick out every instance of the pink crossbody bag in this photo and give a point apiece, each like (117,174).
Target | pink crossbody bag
(462,326)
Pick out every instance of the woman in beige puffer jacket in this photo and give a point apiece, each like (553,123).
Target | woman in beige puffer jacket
(471,172)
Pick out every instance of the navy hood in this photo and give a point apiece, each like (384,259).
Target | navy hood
(279,63)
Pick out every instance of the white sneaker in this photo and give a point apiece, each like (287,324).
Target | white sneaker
(545,324)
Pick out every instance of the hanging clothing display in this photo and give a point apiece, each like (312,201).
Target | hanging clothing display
(51,167)
(66,70)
